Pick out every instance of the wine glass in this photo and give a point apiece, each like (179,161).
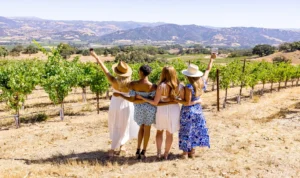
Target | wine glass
(214,51)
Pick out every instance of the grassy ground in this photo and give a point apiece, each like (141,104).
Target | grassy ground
(259,138)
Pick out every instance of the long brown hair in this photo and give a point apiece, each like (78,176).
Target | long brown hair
(197,84)
(169,77)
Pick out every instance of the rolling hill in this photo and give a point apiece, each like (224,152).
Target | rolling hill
(235,36)
(25,29)
(28,28)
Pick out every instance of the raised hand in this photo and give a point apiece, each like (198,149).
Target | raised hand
(92,52)
(213,56)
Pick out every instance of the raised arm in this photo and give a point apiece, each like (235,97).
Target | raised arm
(102,65)
(210,64)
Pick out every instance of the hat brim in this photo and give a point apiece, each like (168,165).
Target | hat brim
(127,74)
(186,73)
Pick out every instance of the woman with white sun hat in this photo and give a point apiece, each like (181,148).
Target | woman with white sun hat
(193,131)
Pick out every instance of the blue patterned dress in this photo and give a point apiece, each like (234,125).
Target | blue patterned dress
(193,131)
(144,113)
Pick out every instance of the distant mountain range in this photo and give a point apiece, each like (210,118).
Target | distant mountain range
(235,36)
(112,32)
(28,28)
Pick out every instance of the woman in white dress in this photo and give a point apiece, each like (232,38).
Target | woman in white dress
(167,116)
(121,125)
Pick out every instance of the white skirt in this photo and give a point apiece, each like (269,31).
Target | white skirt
(121,124)
(168,118)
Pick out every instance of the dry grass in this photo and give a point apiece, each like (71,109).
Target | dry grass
(259,138)
(294,56)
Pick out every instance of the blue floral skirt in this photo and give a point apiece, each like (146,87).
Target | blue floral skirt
(193,131)
(144,114)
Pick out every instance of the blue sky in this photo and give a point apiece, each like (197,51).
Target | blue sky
(218,13)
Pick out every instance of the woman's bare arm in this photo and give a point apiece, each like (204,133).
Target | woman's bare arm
(110,78)
(210,64)
(156,99)
(187,97)
(129,98)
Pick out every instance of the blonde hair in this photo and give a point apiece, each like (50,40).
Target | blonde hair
(169,77)
(123,82)
(197,84)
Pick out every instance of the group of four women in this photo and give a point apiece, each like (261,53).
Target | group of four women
(142,103)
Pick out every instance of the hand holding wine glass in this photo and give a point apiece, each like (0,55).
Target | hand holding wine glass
(214,53)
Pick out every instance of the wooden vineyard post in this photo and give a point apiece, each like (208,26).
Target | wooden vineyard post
(218,90)
(61,113)
(242,83)
(107,94)
(97,97)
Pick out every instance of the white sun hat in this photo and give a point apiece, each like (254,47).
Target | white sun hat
(192,71)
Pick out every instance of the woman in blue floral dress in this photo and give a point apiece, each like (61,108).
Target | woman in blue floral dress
(193,131)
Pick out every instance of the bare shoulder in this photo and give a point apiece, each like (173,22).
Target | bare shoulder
(188,89)
(132,84)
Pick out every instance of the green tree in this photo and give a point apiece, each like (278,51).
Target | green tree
(17,80)
(85,77)
(99,84)
(66,50)
(85,52)
(60,77)
(251,76)
(288,72)
(285,47)
(263,50)
(279,59)
(297,74)
(263,72)
(16,50)
(281,73)
(105,53)
(31,49)
(272,75)
(3,52)
(225,82)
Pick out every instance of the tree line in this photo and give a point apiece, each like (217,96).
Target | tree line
(17,50)
(131,53)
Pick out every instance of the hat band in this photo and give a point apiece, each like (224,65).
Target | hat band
(121,70)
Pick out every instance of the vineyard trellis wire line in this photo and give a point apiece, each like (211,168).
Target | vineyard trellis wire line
(43,111)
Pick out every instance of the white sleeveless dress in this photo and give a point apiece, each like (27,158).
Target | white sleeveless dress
(168,116)
(121,124)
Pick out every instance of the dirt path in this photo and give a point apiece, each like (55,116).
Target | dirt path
(260,138)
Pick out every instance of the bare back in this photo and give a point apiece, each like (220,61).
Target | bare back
(142,86)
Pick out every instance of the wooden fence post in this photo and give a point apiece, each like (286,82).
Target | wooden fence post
(218,90)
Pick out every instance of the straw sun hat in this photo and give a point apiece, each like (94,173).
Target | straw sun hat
(192,71)
(122,69)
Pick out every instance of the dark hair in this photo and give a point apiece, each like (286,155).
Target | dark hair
(146,70)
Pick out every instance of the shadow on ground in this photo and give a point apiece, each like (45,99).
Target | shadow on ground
(92,158)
